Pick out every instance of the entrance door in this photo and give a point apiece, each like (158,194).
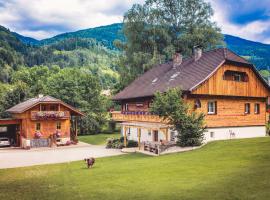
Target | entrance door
(155,136)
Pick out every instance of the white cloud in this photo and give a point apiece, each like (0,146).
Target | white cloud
(251,31)
(44,18)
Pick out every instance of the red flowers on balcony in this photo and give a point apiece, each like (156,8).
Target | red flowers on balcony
(42,115)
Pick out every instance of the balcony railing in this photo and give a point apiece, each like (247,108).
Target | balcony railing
(135,116)
(49,115)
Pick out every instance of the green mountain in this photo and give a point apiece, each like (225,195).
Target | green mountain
(11,54)
(88,54)
(26,40)
(255,52)
(103,34)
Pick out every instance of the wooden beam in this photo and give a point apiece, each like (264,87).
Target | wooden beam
(76,128)
(166,134)
(139,139)
(125,136)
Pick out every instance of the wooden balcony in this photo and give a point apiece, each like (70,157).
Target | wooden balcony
(49,115)
(135,116)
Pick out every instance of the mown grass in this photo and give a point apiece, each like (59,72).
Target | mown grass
(98,139)
(230,170)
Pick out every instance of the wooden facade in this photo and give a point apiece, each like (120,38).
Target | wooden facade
(44,121)
(216,85)
(229,94)
(47,126)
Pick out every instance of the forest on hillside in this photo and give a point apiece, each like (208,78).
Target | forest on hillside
(75,70)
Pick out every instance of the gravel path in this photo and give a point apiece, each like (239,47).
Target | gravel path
(11,158)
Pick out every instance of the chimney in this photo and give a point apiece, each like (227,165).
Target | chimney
(40,96)
(197,52)
(177,59)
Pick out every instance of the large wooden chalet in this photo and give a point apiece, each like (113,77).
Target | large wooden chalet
(219,83)
(37,121)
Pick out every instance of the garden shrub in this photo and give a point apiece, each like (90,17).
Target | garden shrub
(113,143)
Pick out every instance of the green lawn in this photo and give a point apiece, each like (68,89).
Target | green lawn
(98,139)
(230,170)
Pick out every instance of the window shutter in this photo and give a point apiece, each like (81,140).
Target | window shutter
(215,107)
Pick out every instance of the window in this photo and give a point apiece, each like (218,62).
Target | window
(237,77)
(38,126)
(58,125)
(43,107)
(212,107)
(139,104)
(53,108)
(128,131)
(212,134)
(257,108)
(197,104)
(172,136)
(247,108)
(3,129)
(149,132)
(126,107)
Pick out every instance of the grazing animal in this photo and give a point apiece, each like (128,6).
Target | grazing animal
(90,162)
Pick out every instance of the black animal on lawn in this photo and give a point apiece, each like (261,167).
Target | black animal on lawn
(90,162)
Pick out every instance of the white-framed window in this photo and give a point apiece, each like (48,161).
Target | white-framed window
(212,107)
(3,129)
(257,108)
(58,125)
(126,107)
(38,126)
(247,108)
(237,77)
(149,133)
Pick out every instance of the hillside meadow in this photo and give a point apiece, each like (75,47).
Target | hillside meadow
(237,169)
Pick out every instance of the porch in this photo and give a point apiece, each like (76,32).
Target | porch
(151,137)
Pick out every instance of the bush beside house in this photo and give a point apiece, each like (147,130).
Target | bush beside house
(113,143)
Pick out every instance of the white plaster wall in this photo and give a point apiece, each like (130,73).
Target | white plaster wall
(235,132)
(219,133)
(145,136)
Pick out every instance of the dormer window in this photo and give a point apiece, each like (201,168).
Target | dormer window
(235,76)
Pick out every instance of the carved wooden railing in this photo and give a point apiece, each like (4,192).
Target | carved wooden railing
(135,116)
(49,115)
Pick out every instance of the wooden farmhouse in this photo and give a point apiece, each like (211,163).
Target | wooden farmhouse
(38,121)
(219,83)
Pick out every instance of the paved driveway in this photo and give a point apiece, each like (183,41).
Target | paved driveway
(10,158)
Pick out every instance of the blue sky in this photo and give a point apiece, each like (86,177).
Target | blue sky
(40,19)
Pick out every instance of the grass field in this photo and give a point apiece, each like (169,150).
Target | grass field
(97,139)
(230,170)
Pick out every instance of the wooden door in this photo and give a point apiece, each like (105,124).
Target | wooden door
(155,136)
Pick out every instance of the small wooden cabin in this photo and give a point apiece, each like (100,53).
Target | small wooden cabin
(36,121)
(224,86)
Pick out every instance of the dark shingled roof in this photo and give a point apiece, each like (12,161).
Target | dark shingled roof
(26,105)
(188,75)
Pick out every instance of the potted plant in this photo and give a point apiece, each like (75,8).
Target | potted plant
(38,134)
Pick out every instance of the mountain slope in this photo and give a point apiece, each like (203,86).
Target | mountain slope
(255,52)
(104,34)
(26,40)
